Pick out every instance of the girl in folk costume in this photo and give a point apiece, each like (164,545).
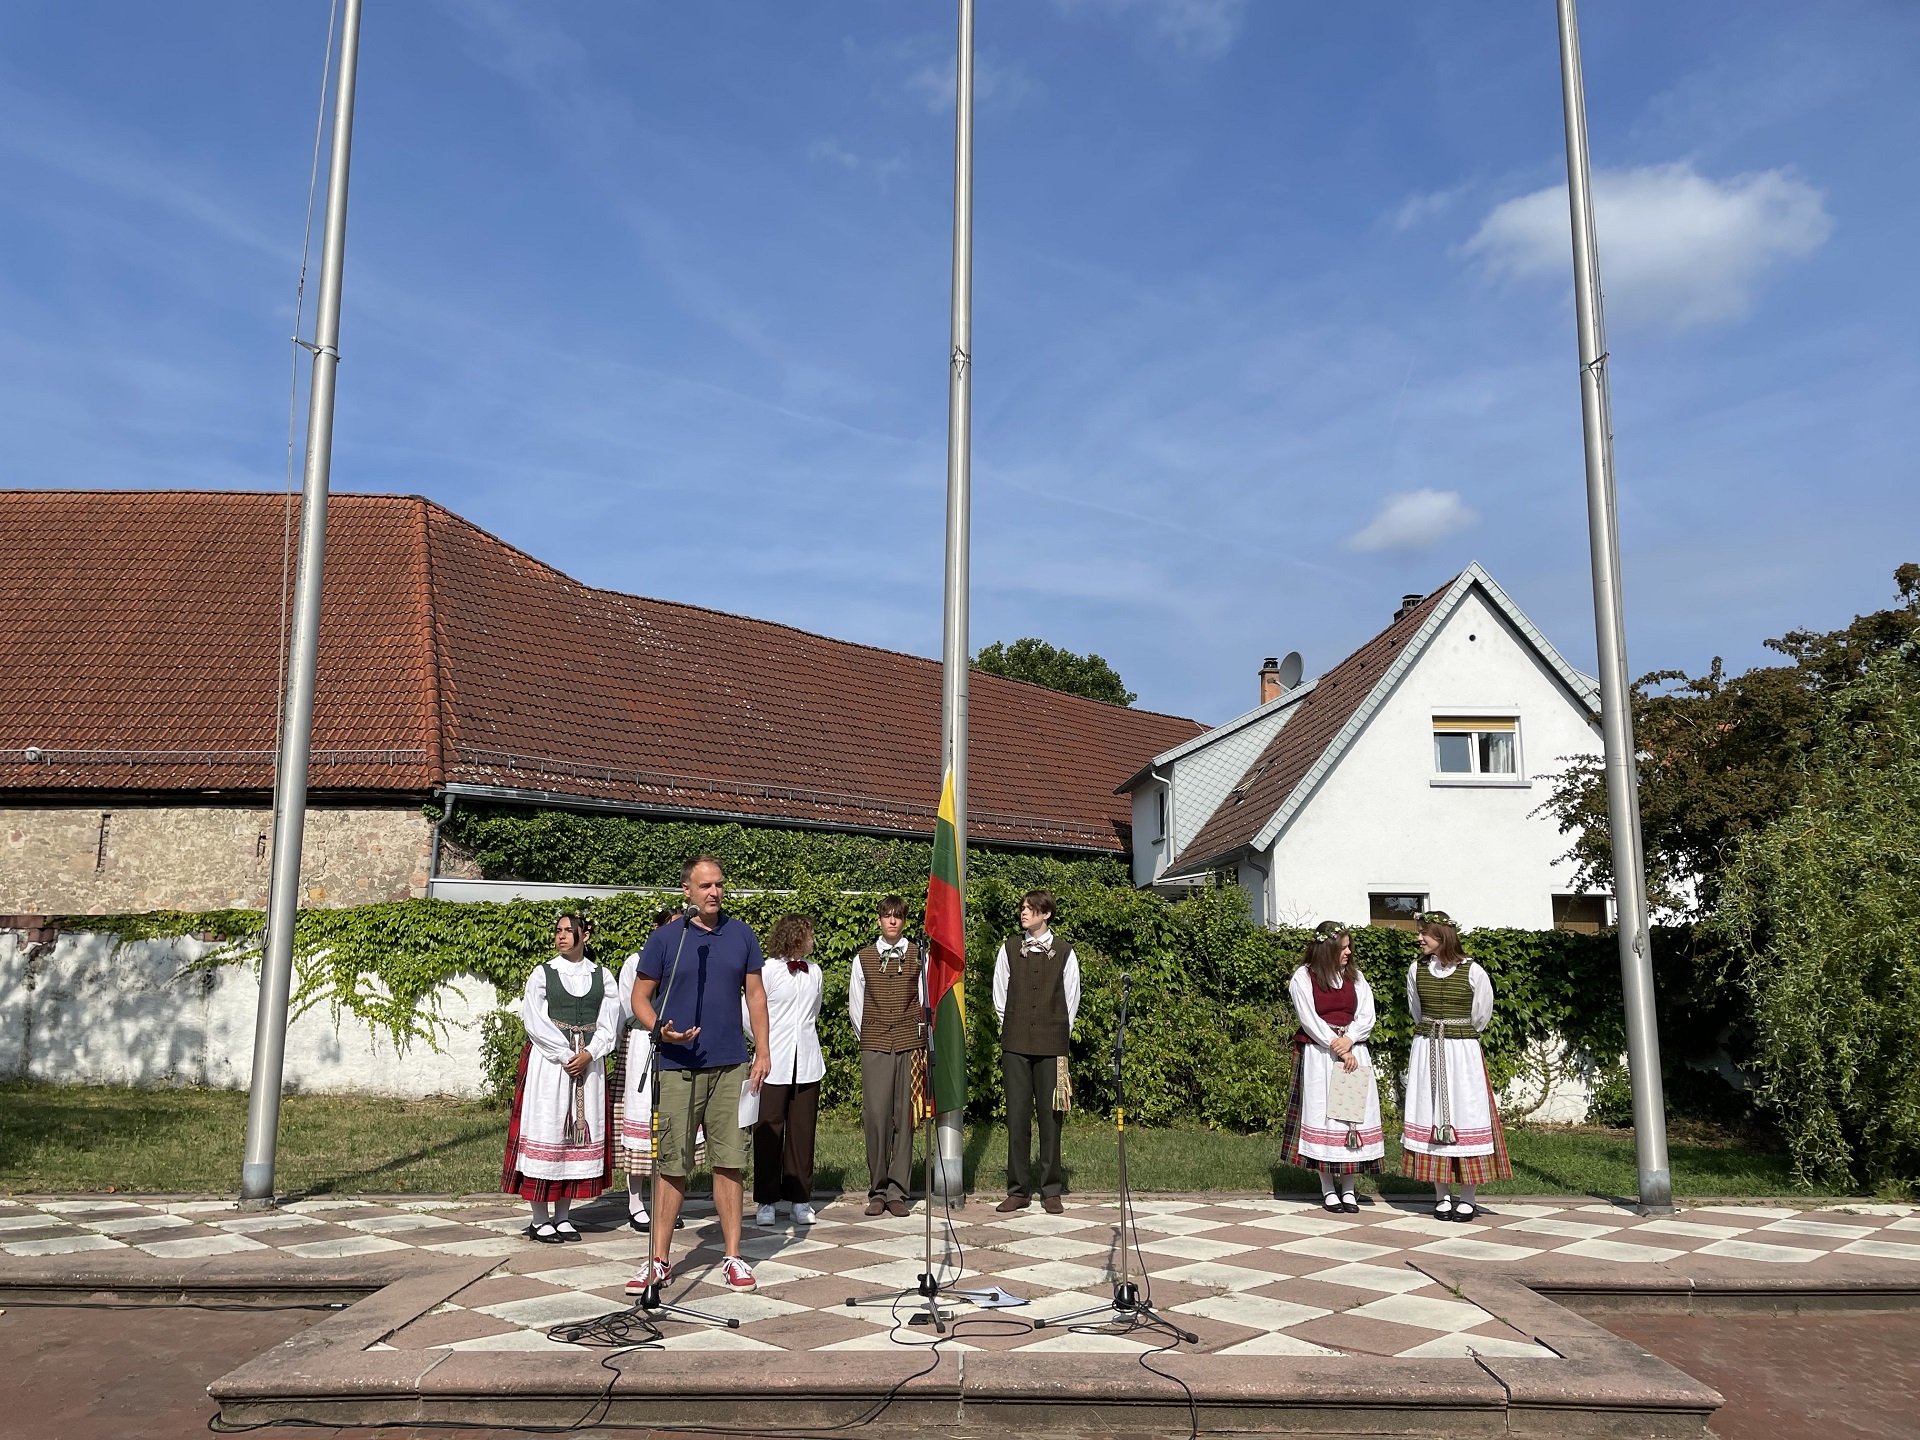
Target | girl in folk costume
(633,1090)
(790,1095)
(1334,1005)
(1452,1134)
(560,1134)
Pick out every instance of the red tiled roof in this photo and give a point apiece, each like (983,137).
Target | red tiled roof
(1320,716)
(144,625)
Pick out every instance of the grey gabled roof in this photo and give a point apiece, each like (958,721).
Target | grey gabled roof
(1217,734)
(1298,758)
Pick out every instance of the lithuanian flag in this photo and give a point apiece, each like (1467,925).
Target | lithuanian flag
(947,964)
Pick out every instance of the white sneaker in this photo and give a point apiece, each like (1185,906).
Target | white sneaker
(764,1216)
(802,1213)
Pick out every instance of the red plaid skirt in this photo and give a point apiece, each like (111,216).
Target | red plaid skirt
(1290,1137)
(1463,1169)
(532,1187)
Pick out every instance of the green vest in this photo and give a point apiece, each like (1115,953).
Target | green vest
(581,1012)
(1448,999)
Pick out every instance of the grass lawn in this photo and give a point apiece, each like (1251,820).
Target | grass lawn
(74,1138)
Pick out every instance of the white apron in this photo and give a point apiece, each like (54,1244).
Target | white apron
(1324,1139)
(1455,1094)
(636,1099)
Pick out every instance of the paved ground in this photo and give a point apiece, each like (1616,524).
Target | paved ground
(1796,1377)
(1250,1275)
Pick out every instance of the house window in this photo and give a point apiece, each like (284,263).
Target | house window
(1396,912)
(1161,797)
(1585,913)
(1475,745)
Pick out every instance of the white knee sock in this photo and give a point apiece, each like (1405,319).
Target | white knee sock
(1346,1188)
(560,1209)
(1467,1193)
(539,1211)
(637,1195)
(1439,1192)
(1327,1186)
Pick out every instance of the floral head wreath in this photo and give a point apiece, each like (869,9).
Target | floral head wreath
(1434,917)
(1327,929)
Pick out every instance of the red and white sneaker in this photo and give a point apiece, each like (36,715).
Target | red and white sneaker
(736,1274)
(654,1272)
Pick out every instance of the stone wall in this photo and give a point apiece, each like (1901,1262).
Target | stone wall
(82,1011)
(55,860)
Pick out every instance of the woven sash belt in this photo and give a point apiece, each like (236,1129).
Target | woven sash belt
(578,1131)
(1441,1030)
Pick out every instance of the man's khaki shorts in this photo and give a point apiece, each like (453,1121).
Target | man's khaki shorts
(690,1098)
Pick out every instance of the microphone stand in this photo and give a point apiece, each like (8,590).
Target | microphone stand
(1127,1307)
(927,1292)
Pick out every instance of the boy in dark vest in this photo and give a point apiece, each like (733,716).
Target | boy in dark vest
(886,1000)
(1036,994)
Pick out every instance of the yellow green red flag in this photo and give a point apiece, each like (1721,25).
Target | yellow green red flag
(947,961)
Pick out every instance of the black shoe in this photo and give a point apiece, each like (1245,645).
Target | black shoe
(1350,1207)
(544,1235)
(1464,1211)
(634,1222)
(1330,1204)
(567,1231)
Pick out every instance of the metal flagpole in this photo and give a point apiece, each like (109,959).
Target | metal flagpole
(296,725)
(944,1173)
(1616,716)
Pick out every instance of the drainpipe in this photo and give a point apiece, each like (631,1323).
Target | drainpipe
(433,848)
(1153,773)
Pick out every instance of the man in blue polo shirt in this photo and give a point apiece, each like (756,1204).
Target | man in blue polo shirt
(700,966)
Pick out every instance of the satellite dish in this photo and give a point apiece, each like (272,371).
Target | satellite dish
(1290,670)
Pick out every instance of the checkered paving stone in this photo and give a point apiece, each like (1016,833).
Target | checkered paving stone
(1250,1276)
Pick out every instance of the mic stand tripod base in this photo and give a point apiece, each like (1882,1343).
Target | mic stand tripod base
(1126,1307)
(650,1304)
(928,1312)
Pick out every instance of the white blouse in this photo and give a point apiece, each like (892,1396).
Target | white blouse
(1481,1011)
(576,978)
(793,1038)
(1300,989)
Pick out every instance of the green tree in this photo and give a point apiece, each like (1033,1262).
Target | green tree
(1720,756)
(1822,908)
(1039,663)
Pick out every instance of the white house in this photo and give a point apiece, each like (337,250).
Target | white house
(1410,776)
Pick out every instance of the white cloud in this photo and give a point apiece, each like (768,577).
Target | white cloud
(1425,206)
(1676,248)
(1413,521)
(1204,28)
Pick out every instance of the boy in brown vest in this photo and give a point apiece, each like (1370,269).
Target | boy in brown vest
(1036,994)
(886,1000)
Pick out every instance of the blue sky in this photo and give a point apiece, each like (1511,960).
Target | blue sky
(1271,323)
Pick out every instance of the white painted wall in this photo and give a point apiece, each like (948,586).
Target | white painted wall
(1379,822)
(85,1011)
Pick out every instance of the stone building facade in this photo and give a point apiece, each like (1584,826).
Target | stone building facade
(108,859)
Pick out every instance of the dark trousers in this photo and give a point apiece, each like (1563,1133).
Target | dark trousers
(886,1113)
(783,1143)
(1029,1080)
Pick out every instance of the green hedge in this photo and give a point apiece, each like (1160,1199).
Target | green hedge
(1208,1039)
(567,847)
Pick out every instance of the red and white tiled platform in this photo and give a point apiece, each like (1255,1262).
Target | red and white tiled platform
(1252,1276)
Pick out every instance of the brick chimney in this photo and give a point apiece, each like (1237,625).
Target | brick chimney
(1407,602)
(1270,686)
